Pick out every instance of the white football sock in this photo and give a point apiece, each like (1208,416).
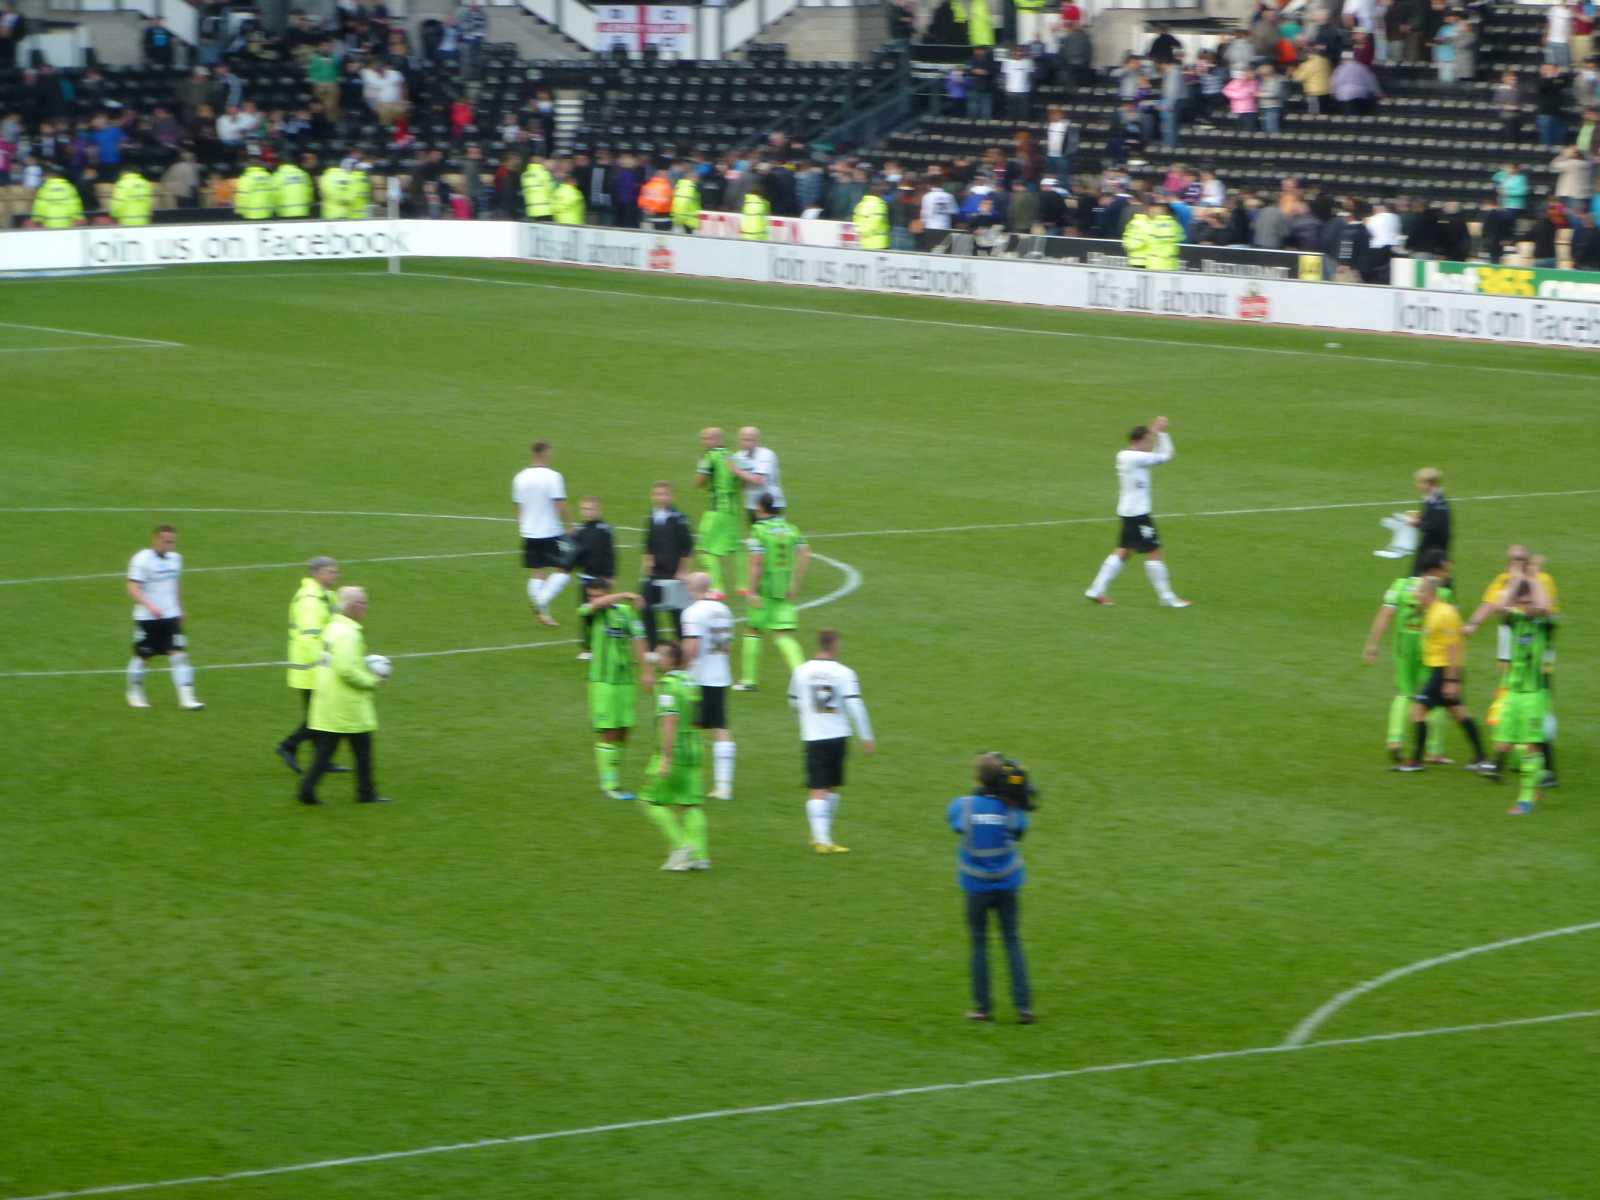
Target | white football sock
(136,672)
(535,591)
(1108,572)
(833,805)
(722,754)
(817,815)
(553,586)
(1157,571)
(182,670)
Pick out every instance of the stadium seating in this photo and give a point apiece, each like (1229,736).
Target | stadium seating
(1427,139)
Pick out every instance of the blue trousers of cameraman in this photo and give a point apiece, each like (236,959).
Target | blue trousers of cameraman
(1004,903)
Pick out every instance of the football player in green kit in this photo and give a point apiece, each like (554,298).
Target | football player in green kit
(673,790)
(616,660)
(778,560)
(1526,607)
(718,536)
(1400,608)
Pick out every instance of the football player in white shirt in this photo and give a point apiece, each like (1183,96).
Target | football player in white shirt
(757,467)
(539,495)
(1148,446)
(827,696)
(707,636)
(158,618)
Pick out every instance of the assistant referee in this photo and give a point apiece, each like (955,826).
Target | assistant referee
(668,551)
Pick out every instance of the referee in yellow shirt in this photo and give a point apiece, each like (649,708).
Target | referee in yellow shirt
(1516,557)
(1444,653)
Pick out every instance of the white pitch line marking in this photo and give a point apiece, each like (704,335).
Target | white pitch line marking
(1302,1033)
(76,349)
(270,512)
(718,1114)
(88,333)
(272,566)
(985,328)
(852,581)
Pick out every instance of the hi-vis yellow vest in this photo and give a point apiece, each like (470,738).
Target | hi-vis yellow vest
(753,217)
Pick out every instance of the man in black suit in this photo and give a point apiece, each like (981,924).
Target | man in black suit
(668,551)
(1433,521)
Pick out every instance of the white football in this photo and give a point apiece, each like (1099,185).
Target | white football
(379,665)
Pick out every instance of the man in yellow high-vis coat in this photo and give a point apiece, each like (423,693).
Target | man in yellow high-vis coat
(358,193)
(686,201)
(132,199)
(754,216)
(57,205)
(1163,236)
(255,197)
(313,606)
(566,206)
(293,188)
(538,191)
(871,218)
(1136,239)
(333,185)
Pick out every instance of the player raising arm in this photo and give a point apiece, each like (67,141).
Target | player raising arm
(1400,609)
(1148,446)
(1526,605)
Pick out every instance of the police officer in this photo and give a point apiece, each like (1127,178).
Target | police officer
(753,217)
(255,196)
(566,207)
(293,188)
(358,192)
(334,187)
(685,201)
(871,217)
(989,823)
(313,606)
(132,198)
(57,205)
(538,191)
(1163,236)
(1136,239)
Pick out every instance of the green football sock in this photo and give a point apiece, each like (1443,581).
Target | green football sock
(711,564)
(790,649)
(694,831)
(663,819)
(752,658)
(1397,720)
(607,760)
(1436,731)
(1532,768)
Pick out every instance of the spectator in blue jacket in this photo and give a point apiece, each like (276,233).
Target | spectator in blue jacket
(989,869)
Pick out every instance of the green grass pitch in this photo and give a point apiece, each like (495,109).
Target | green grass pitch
(199,977)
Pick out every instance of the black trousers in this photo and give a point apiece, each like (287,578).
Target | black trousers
(327,743)
(979,905)
(301,733)
(652,611)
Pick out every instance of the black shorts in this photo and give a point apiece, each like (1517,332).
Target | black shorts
(1432,694)
(825,763)
(1139,535)
(158,636)
(543,552)
(713,707)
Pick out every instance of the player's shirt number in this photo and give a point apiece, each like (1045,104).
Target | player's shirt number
(824,698)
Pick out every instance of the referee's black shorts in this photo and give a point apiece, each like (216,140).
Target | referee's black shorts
(825,763)
(1432,694)
(1139,535)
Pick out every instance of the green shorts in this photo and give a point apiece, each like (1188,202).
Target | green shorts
(682,785)
(719,534)
(1409,673)
(772,615)
(611,705)
(1522,718)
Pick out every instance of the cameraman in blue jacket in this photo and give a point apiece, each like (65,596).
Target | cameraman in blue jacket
(990,822)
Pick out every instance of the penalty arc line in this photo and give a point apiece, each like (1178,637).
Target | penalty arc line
(1302,1033)
(851,583)
(787,1106)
